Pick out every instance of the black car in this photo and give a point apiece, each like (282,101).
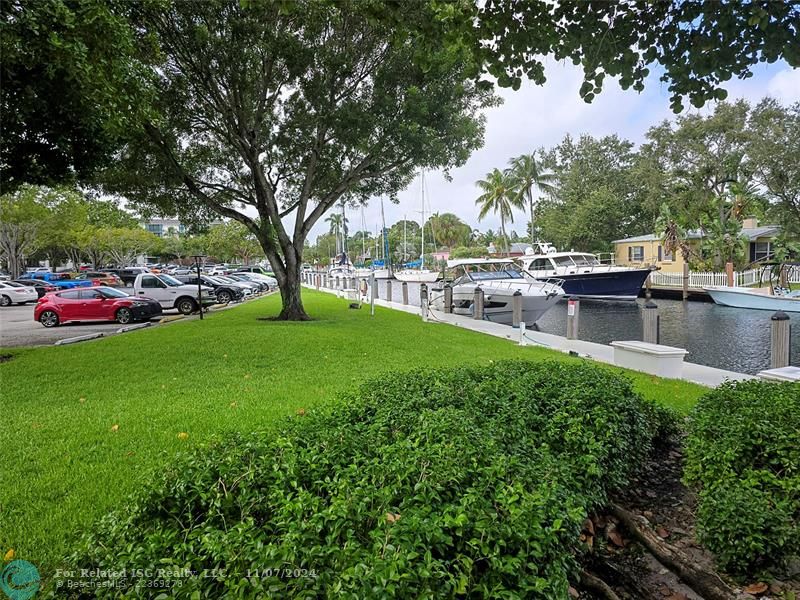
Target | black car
(42,287)
(225,293)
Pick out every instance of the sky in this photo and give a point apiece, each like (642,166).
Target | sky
(540,116)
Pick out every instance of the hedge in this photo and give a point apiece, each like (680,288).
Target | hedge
(743,455)
(435,483)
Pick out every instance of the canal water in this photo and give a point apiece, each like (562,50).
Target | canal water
(728,338)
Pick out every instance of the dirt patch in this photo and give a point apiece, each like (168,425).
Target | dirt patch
(6,357)
(667,507)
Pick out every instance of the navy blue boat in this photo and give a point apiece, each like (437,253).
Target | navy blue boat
(584,275)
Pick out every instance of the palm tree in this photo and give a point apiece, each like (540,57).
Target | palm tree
(498,197)
(525,174)
(336,222)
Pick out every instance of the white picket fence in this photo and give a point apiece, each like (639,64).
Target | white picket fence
(698,279)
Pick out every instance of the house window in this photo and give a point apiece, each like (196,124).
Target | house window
(635,253)
(156,228)
(761,250)
(663,255)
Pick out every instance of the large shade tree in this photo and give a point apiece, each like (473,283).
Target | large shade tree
(272,113)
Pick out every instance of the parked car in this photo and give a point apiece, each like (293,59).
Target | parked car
(61,280)
(101,278)
(41,287)
(256,287)
(219,270)
(172,293)
(94,304)
(225,292)
(270,282)
(254,269)
(127,274)
(12,292)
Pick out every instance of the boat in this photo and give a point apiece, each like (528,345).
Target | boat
(584,274)
(499,279)
(757,298)
(421,274)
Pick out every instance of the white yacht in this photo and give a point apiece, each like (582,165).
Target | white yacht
(499,279)
(584,274)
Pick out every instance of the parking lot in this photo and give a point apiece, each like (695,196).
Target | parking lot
(17,328)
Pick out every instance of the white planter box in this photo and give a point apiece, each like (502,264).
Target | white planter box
(782,374)
(664,361)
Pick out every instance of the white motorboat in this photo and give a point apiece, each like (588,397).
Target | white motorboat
(417,275)
(742,297)
(584,274)
(345,270)
(499,279)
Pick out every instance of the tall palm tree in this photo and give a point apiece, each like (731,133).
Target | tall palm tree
(498,197)
(336,222)
(525,174)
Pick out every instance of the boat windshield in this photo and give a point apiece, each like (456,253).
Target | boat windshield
(563,261)
(585,260)
(493,271)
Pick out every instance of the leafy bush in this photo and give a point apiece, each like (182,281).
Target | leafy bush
(473,481)
(743,452)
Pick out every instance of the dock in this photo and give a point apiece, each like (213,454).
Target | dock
(692,372)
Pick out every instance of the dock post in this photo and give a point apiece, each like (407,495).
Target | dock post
(423,301)
(780,340)
(685,280)
(405,292)
(389,290)
(573,314)
(516,308)
(448,298)
(651,323)
(317,280)
(338,286)
(477,304)
(373,293)
(522,333)
(729,273)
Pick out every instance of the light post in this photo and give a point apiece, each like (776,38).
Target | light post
(198,258)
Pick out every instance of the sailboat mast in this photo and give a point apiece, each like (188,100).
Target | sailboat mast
(363,237)
(385,239)
(405,243)
(422,185)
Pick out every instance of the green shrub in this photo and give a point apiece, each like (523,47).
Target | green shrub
(440,483)
(743,453)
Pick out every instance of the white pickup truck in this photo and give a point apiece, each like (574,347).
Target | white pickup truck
(171,293)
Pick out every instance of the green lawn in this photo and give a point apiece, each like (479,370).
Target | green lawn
(85,425)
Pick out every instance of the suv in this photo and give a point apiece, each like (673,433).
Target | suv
(254,269)
(225,292)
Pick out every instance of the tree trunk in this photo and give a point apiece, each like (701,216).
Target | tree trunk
(290,296)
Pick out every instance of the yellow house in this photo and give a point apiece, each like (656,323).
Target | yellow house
(649,249)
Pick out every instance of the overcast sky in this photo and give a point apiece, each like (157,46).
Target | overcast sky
(537,116)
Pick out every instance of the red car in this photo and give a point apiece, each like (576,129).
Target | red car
(94,304)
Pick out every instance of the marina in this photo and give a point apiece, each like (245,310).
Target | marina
(721,337)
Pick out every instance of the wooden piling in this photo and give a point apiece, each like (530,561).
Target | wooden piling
(373,293)
(780,340)
(651,324)
(448,298)
(389,290)
(729,274)
(516,308)
(317,281)
(405,293)
(423,301)
(685,280)
(573,315)
(477,304)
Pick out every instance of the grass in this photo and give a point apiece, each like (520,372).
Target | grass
(85,425)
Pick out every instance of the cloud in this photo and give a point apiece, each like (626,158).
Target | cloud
(540,116)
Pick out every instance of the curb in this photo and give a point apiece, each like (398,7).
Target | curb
(171,318)
(133,327)
(80,338)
